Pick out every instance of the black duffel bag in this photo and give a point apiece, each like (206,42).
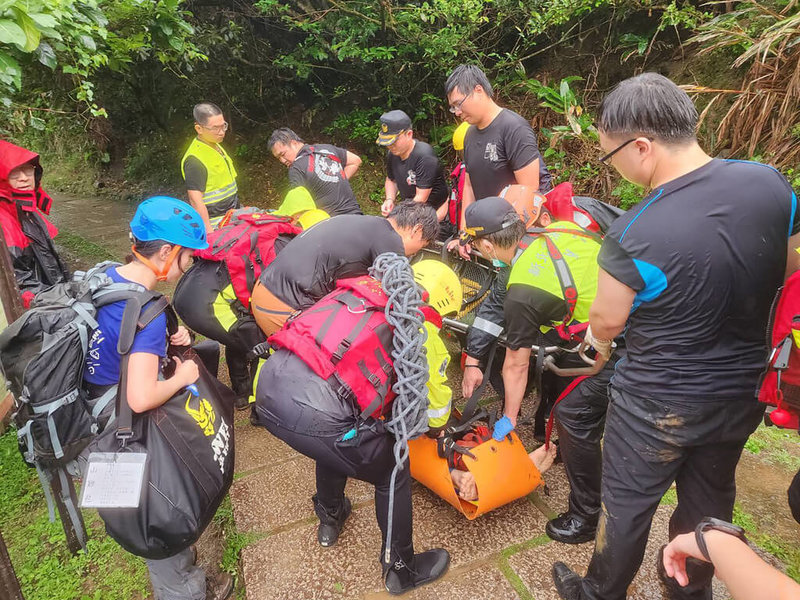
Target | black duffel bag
(190,455)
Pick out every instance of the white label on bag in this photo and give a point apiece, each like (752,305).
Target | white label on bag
(113,480)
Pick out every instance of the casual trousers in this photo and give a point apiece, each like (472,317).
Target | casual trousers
(580,418)
(648,445)
(269,311)
(177,578)
(369,458)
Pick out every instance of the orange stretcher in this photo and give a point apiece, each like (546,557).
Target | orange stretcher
(502,470)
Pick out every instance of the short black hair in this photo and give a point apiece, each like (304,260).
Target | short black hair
(508,237)
(284,135)
(465,78)
(203,111)
(148,248)
(652,105)
(408,214)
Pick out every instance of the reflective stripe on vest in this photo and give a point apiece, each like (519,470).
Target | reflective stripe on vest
(534,266)
(221,180)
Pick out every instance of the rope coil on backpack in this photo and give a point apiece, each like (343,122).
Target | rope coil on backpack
(410,407)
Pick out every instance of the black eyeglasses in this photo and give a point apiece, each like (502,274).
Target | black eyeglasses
(454,108)
(607,157)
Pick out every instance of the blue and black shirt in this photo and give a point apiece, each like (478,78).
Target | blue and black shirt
(705,253)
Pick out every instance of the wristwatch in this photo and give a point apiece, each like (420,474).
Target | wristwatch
(719,525)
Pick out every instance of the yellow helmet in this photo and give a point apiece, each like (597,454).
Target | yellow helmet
(297,200)
(442,285)
(459,134)
(312,217)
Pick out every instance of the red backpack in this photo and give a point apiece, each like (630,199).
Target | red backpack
(780,386)
(561,206)
(246,244)
(345,339)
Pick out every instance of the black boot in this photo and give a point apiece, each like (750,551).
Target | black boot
(569,528)
(568,582)
(330,524)
(427,566)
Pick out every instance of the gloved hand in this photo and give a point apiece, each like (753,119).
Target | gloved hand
(604,347)
(502,428)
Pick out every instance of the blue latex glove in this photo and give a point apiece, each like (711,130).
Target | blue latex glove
(192,389)
(502,428)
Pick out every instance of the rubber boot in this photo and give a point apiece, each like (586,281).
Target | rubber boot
(330,525)
(425,568)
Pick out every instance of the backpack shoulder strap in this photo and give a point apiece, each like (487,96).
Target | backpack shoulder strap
(132,317)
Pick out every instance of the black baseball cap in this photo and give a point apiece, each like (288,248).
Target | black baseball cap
(488,215)
(393,123)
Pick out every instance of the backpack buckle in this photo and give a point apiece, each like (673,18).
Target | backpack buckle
(363,309)
(123,435)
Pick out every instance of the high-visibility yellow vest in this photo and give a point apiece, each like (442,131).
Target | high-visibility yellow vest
(535,267)
(221,191)
(439,394)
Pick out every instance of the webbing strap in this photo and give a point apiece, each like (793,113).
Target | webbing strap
(83,313)
(345,344)
(45,482)
(549,429)
(25,432)
(50,408)
(72,511)
(104,399)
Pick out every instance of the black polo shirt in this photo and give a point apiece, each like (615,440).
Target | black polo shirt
(705,254)
(421,169)
(492,154)
(320,169)
(344,246)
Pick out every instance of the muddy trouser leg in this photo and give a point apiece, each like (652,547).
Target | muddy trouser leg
(648,445)
(371,461)
(239,371)
(579,419)
(176,578)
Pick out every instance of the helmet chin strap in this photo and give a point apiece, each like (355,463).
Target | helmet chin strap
(161,274)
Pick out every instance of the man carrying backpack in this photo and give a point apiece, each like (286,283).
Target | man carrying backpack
(331,409)
(340,247)
(27,231)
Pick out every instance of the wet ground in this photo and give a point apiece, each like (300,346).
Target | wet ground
(501,555)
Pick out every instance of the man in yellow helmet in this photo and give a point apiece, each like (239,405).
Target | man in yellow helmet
(207,169)
(551,285)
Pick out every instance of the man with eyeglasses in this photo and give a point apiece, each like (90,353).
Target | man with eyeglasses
(207,169)
(689,274)
(500,149)
(412,168)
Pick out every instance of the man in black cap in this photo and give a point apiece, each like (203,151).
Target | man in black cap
(412,167)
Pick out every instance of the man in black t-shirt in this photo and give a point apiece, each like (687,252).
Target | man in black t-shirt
(412,167)
(500,149)
(689,274)
(324,170)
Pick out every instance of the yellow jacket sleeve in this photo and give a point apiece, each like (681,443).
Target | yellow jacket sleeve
(439,394)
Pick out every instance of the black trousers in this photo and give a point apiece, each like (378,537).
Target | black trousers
(648,445)
(580,418)
(369,458)
(794,497)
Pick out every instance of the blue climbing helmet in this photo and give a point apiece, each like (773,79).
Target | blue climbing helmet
(171,220)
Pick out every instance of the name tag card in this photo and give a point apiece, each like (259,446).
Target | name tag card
(113,480)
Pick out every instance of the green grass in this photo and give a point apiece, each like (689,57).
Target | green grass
(82,248)
(785,551)
(45,568)
(515,580)
(235,541)
(670,498)
(777,446)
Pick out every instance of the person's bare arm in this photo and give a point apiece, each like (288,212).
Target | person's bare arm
(467,198)
(196,200)
(441,212)
(422,195)
(390,189)
(611,307)
(515,379)
(792,257)
(145,390)
(746,576)
(528,175)
(353,163)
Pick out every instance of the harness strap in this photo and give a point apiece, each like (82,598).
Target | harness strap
(549,429)
(67,492)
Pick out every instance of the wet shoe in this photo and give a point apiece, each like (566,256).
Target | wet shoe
(568,582)
(330,526)
(428,566)
(241,402)
(568,528)
(254,420)
(220,588)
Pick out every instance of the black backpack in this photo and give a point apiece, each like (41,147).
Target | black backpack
(190,448)
(43,356)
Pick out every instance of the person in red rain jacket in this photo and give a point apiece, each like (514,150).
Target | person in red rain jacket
(27,231)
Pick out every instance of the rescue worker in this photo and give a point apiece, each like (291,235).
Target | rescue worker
(324,170)
(207,169)
(500,149)
(28,233)
(458,177)
(340,247)
(489,323)
(412,168)
(165,232)
(314,417)
(690,274)
(551,284)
